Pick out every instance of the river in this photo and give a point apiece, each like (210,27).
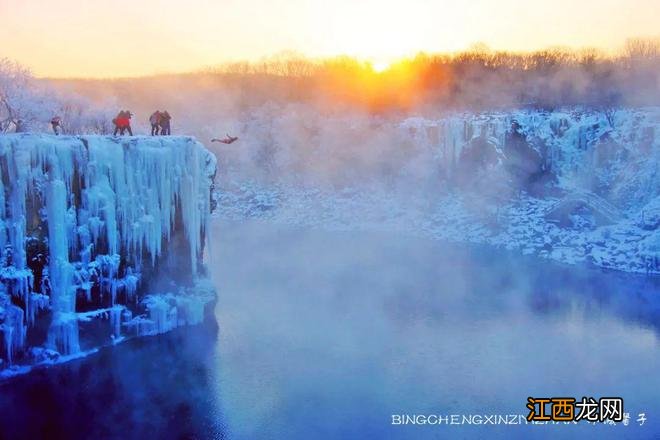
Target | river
(326,334)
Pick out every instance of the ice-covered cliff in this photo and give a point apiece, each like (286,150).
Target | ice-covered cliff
(614,153)
(88,225)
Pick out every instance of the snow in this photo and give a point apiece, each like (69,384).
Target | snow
(167,311)
(83,217)
(608,162)
(519,225)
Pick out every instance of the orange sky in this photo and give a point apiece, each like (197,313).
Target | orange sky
(108,38)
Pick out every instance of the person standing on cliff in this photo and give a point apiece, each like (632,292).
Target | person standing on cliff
(129,115)
(118,121)
(154,120)
(56,123)
(20,126)
(164,123)
(122,123)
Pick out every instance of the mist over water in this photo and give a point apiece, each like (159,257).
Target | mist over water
(327,334)
(345,329)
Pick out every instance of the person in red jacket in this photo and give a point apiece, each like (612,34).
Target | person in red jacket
(122,123)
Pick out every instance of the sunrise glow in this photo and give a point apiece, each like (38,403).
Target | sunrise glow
(126,38)
(380,66)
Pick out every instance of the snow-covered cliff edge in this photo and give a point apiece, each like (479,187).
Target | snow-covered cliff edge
(88,226)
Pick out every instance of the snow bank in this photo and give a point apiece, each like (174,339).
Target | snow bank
(82,221)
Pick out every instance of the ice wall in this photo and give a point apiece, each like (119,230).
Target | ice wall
(83,222)
(612,152)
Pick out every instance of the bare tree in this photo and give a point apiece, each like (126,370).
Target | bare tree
(13,82)
(28,104)
(637,49)
(23,102)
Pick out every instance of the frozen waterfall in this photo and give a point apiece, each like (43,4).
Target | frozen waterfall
(85,223)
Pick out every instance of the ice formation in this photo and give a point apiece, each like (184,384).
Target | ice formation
(602,206)
(83,222)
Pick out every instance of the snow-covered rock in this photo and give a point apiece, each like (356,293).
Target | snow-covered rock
(649,249)
(593,210)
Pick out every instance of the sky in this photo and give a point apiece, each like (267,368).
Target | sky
(112,38)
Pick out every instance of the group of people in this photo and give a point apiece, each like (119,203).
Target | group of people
(160,125)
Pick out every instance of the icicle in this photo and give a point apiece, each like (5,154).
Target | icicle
(131,284)
(63,333)
(108,204)
(13,330)
(115,321)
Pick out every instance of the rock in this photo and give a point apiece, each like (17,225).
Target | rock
(649,250)
(649,216)
(525,165)
(593,211)
(480,169)
(41,354)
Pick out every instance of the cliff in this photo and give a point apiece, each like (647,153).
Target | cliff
(90,228)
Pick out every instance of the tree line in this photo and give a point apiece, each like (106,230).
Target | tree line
(473,80)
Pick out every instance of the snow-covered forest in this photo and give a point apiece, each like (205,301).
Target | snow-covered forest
(26,104)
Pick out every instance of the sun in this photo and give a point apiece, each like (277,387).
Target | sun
(380,66)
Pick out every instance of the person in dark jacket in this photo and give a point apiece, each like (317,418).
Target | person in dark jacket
(56,123)
(164,123)
(154,120)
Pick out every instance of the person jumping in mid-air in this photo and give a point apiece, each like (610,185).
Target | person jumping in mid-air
(154,120)
(56,123)
(227,140)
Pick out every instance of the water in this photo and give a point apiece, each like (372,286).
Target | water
(329,334)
